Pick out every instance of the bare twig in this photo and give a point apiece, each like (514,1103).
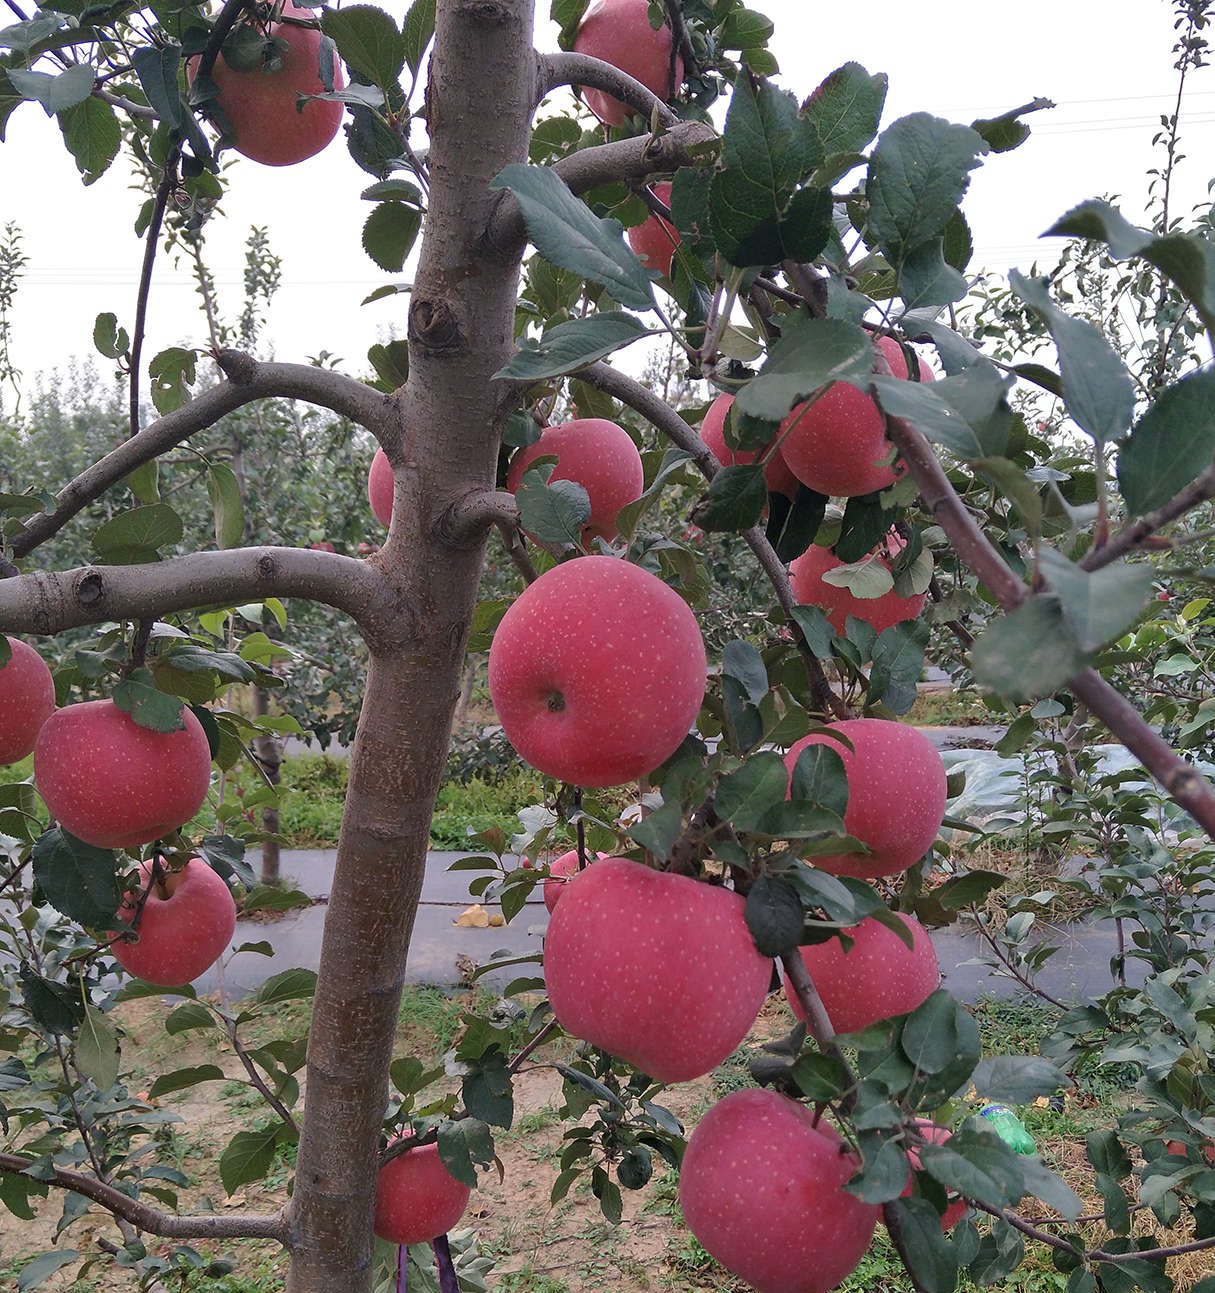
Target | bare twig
(1199,490)
(256,1078)
(168,182)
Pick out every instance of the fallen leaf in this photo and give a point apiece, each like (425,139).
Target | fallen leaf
(475,917)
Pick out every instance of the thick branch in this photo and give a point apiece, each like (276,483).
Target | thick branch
(236,1226)
(626,159)
(1197,491)
(247,381)
(463,524)
(581,69)
(48,602)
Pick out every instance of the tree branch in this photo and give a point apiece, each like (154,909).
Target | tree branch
(168,181)
(625,159)
(165,1224)
(1197,491)
(803,987)
(462,524)
(48,602)
(247,381)
(565,68)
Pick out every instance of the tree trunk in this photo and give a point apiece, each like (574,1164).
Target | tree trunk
(479,101)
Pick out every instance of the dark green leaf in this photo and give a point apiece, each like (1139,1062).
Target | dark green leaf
(1105,1152)
(92,134)
(1007,131)
(735,500)
(847,107)
(54,1005)
(980,1171)
(265,897)
(55,92)
(741,660)
(1171,444)
(1028,653)
(567,233)
(96,1050)
(1099,606)
(816,629)
(819,777)
(368,41)
(390,230)
(933,1262)
(808,356)
(462,1145)
(898,660)
(930,1035)
(371,143)
(487,1092)
(290,985)
(884,1175)
(967,414)
(635,1168)
(247,1157)
(743,797)
(225,854)
(573,345)
(23,36)
(820,1077)
(224,492)
(156,67)
(774,916)
(552,514)
(78,879)
(1000,1253)
(792,525)
(973,887)
(43,1266)
(658,832)
(193,1014)
(138,696)
(391,364)
(180,1079)
(419,27)
(1050,1188)
(172,373)
(1017,1079)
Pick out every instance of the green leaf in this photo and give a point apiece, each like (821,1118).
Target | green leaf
(463,1144)
(553,514)
(138,696)
(1099,605)
(572,345)
(1044,1184)
(368,41)
(290,985)
(735,500)
(224,491)
(172,373)
(23,36)
(1170,445)
(247,1157)
(55,92)
(487,1092)
(96,1049)
(819,778)
(93,136)
(567,233)
(193,1014)
(419,27)
(1016,1079)
(774,915)
(821,1077)
(658,832)
(43,1266)
(898,660)
(930,1254)
(1097,387)
(266,897)
(156,67)
(390,230)
(744,29)
(968,414)
(54,1005)
(144,481)
(917,176)
(816,629)
(111,340)
(744,796)
(885,1172)
(847,107)
(930,1035)
(973,887)
(180,1079)
(78,879)
(1008,131)
(792,525)
(980,1171)
(135,537)
(808,356)
(742,661)
(371,143)
(391,364)
(1028,653)
(927,278)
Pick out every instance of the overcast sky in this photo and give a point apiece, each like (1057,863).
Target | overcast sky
(1106,63)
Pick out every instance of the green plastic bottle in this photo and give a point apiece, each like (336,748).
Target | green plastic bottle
(1009,1128)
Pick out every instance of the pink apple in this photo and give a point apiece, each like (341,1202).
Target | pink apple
(262,106)
(655,240)
(27,698)
(656,968)
(806,576)
(184,928)
(417,1199)
(323,546)
(380,487)
(779,478)
(597,672)
(878,977)
(896,794)
(560,871)
(838,445)
(762,1189)
(619,32)
(115,784)
(600,456)
(956,1208)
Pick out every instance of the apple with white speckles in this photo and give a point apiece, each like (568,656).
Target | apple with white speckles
(777,476)
(27,699)
(619,32)
(115,784)
(896,794)
(811,589)
(655,239)
(597,672)
(878,977)
(656,968)
(597,454)
(417,1199)
(560,872)
(380,487)
(762,1188)
(184,927)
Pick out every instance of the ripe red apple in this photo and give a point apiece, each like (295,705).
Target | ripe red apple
(956,1208)
(417,1199)
(655,240)
(762,1189)
(806,576)
(896,794)
(779,478)
(323,546)
(560,871)
(184,928)
(838,445)
(115,784)
(262,106)
(1178,1148)
(656,968)
(27,698)
(597,672)
(600,456)
(619,32)
(877,978)
(379,488)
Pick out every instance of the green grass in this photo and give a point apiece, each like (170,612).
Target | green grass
(949,709)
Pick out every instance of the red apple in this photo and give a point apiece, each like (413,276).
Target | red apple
(417,1199)
(323,546)
(115,784)
(806,576)
(656,968)
(956,1208)
(779,478)
(1178,1148)
(380,487)
(655,240)
(600,456)
(262,106)
(762,1189)
(27,698)
(597,672)
(619,32)
(878,977)
(896,794)
(560,871)
(184,928)
(838,445)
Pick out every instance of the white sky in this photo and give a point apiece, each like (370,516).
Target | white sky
(1106,63)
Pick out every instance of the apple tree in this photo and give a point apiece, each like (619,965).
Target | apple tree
(808,261)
